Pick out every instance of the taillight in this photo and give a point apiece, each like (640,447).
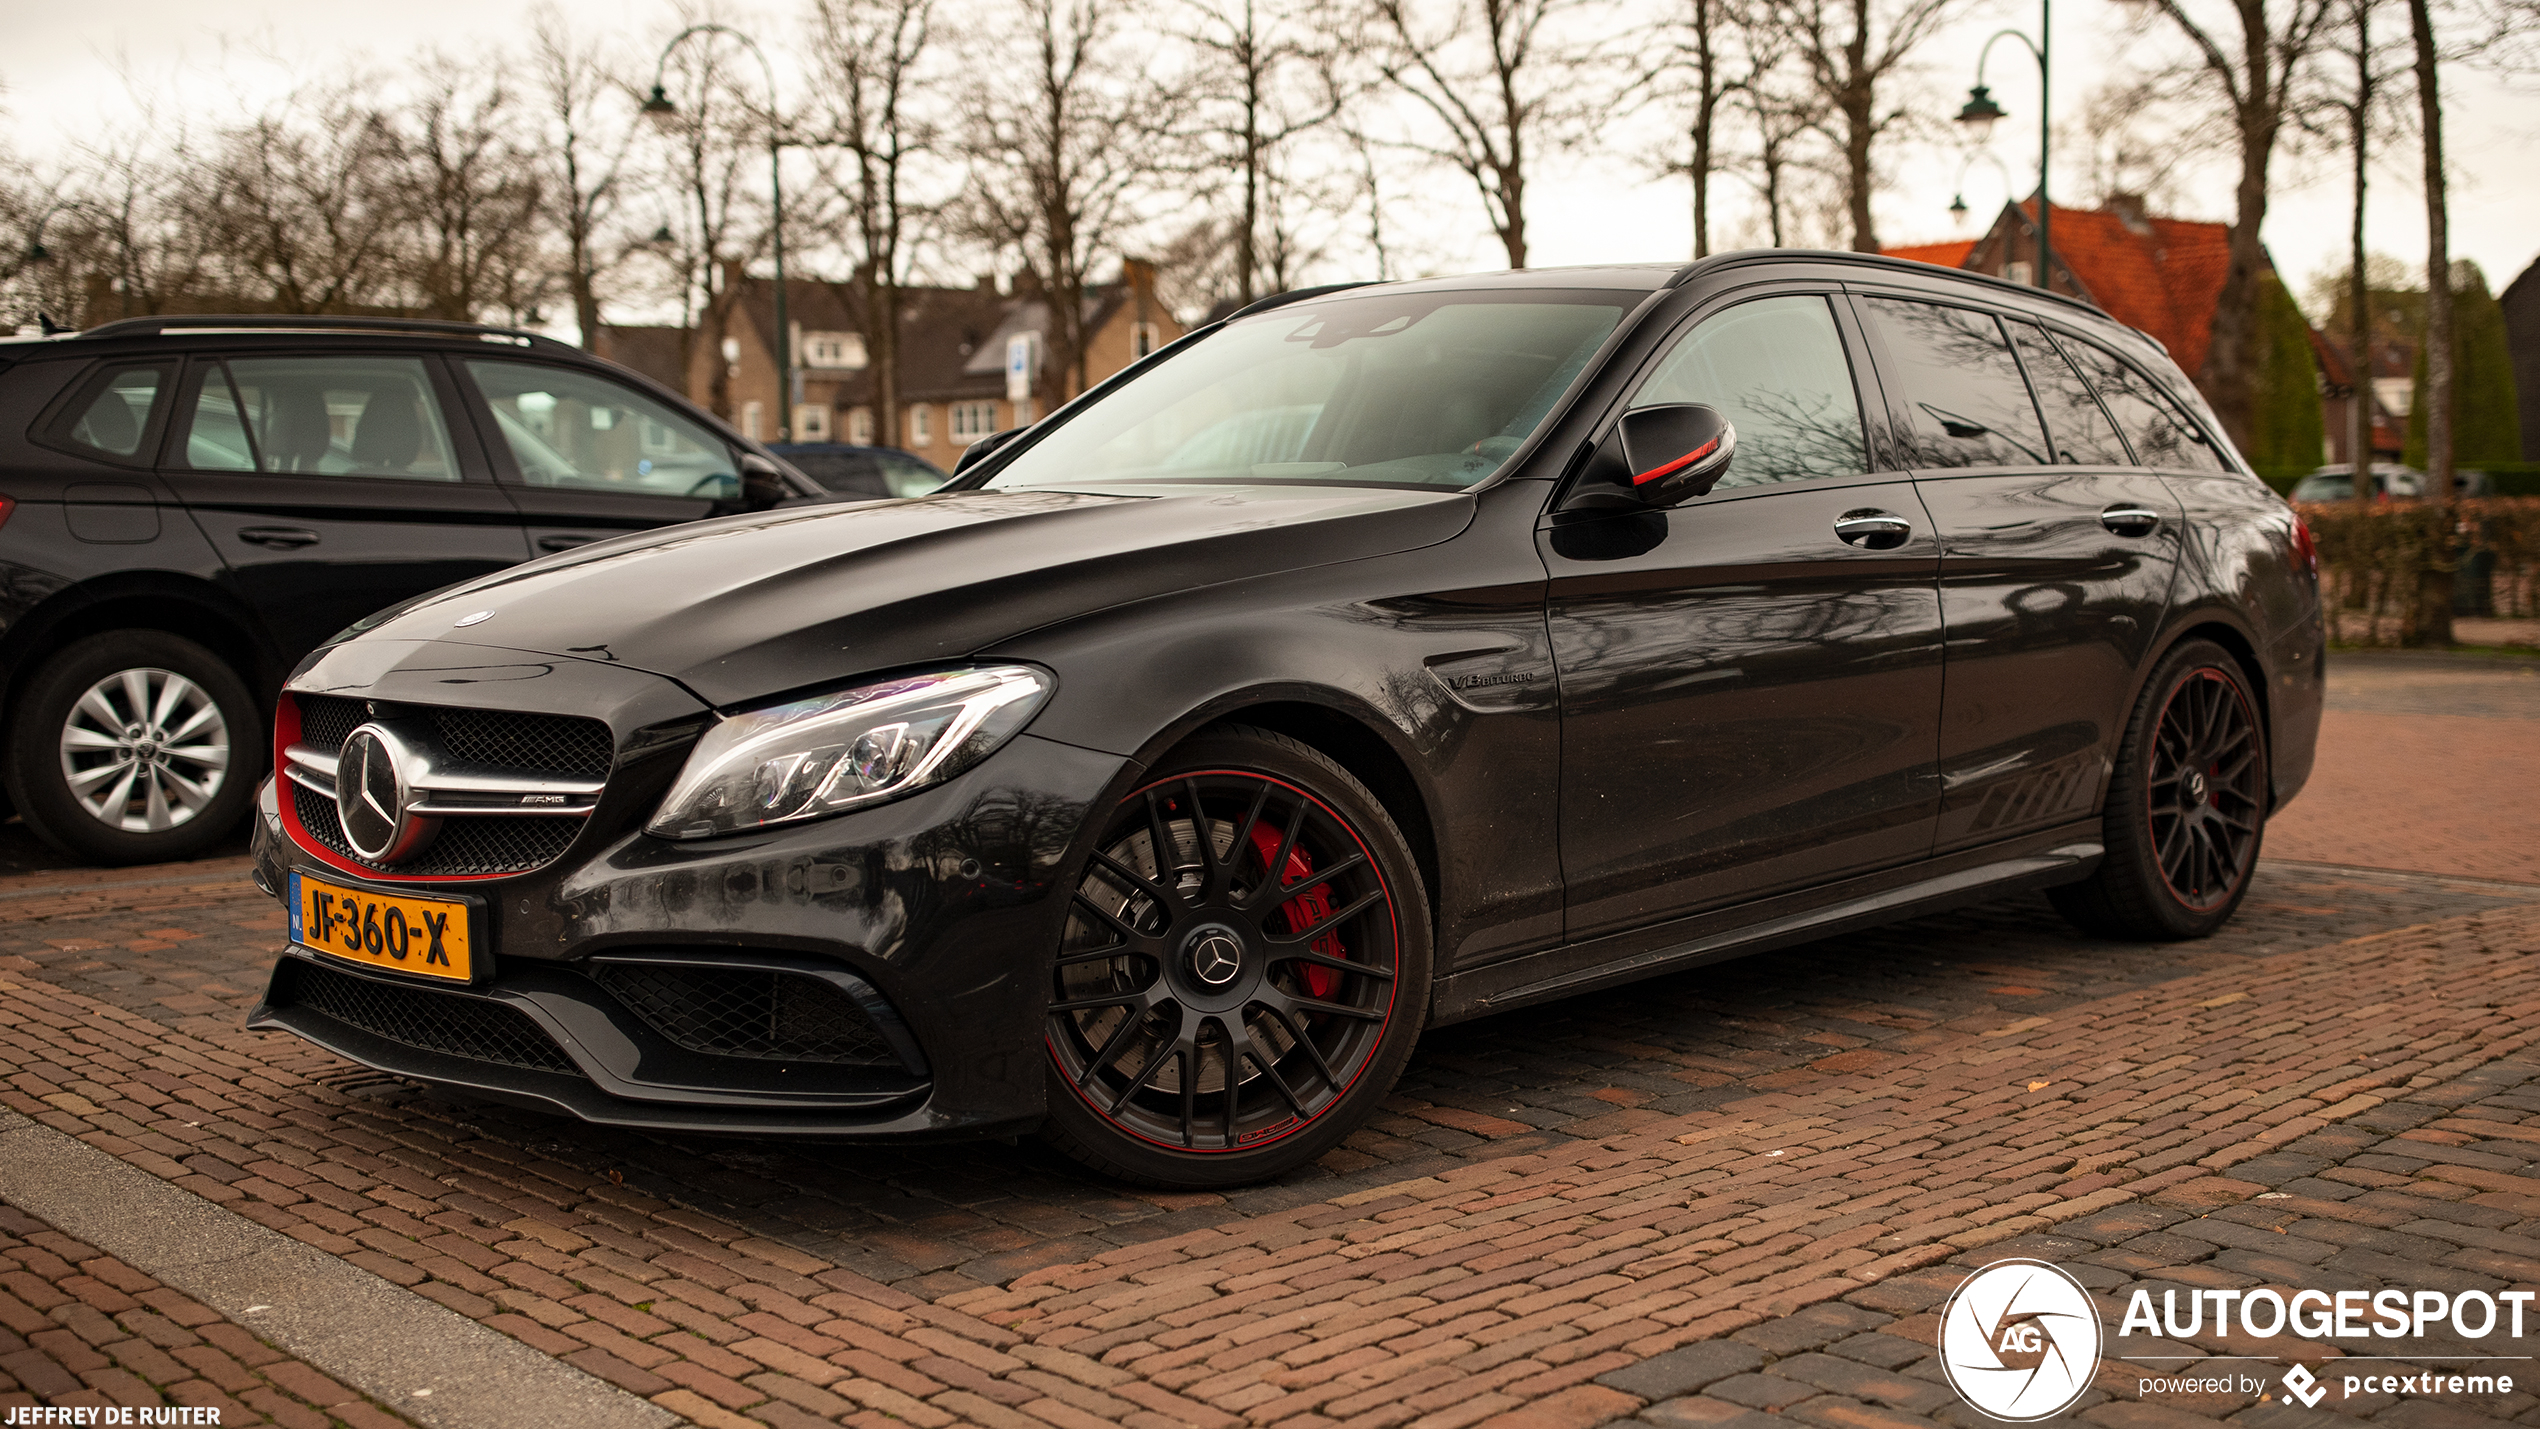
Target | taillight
(2304,546)
(6,506)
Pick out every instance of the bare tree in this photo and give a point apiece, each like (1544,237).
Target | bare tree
(1266,77)
(1062,144)
(1502,79)
(871,50)
(1689,72)
(2434,621)
(588,130)
(1782,115)
(713,143)
(471,194)
(302,204)
(2256,75)
(1851,49)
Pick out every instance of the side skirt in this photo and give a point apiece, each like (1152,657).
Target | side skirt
(2040,860)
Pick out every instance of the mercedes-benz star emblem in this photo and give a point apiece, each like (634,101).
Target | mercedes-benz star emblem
(1215,959)
(373,801)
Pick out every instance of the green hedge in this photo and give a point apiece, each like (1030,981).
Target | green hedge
(2374,556)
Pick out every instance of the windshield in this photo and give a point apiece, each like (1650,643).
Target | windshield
(1403,388)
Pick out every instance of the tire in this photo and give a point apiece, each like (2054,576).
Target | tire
(1203,1030)
(185,780)
(2187,806)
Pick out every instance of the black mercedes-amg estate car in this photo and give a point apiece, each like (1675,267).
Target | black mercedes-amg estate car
(1377,658)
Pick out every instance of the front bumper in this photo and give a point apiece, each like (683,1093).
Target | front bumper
(932,915)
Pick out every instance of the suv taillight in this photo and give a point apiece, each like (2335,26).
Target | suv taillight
(6,506)
(2304,546)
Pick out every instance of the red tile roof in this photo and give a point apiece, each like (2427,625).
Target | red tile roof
(2161,275)
(1947,255)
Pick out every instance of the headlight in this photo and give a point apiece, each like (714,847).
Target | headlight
(841,751)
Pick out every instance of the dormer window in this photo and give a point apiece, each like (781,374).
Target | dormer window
(834,349)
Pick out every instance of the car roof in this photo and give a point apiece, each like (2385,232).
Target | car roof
(258,329)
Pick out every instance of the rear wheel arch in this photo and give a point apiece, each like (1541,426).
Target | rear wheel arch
(191,609)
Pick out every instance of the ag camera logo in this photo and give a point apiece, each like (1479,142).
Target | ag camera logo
(2020,1340)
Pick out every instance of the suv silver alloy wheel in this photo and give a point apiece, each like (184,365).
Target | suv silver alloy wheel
(145,750)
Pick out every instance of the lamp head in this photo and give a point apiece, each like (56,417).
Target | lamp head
(36,252)
(1981,112)
(660,110)
(663,237)
(1957,208)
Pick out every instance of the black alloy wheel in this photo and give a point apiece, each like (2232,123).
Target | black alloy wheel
(1212,1021)
(2187,806)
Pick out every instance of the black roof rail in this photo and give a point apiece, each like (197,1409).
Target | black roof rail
(295,322)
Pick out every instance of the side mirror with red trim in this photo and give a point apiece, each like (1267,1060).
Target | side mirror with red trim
(1675,452)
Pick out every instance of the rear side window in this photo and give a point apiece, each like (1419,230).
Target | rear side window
(114,413)
(320,416)
(1966,402)
(2079,430)
(1775,368)
(572,429)
(2161,436)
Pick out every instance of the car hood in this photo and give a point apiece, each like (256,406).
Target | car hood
(748,606)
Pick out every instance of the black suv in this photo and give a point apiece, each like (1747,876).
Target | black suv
(1371,660)
(188,505)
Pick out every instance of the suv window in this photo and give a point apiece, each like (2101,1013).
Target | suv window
(113,411)
(908,476)
(320,416)
(2081,432)
(2161,437)
(573,429)
(1775,368)
(1965,400)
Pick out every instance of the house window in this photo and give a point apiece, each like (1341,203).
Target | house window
(833,349)
(1023,412)
(860,426)
(973,420)
(732,354)
(921,425)
(2017,271)
(1142,339)
(811,424)
(753,416)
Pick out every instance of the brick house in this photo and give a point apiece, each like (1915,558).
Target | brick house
(955,347)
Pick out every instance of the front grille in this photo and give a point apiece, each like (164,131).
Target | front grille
(326,720)
(554,744)
(740,1012)
(510,843)
(469,1027)
(561,745)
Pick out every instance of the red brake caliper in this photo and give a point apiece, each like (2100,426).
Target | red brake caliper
(1304,909)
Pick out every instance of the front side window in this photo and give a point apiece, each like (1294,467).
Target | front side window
(1965,400)
(1775,368)
(2162,438)
(573,429)
(111,415)
(1389,388)
(320,416)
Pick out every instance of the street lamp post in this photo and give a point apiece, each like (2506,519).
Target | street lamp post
(661,111)
(1980,113)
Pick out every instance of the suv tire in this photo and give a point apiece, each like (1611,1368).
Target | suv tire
(134,746)
(2187,806)
(1207,1028)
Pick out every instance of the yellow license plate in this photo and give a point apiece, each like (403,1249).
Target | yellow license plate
(407,935)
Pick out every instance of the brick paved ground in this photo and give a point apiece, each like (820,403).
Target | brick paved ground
(78,1327)
(1714,1198)
(2422,776)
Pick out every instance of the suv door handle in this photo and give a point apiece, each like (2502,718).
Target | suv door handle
(1871,527)
(564,543)
(279,538)
(2129,520)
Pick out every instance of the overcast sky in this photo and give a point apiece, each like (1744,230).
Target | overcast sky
(64,68)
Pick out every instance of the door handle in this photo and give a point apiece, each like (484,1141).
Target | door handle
(278,538)
(1876,529)
(2128,520)
(564,543)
